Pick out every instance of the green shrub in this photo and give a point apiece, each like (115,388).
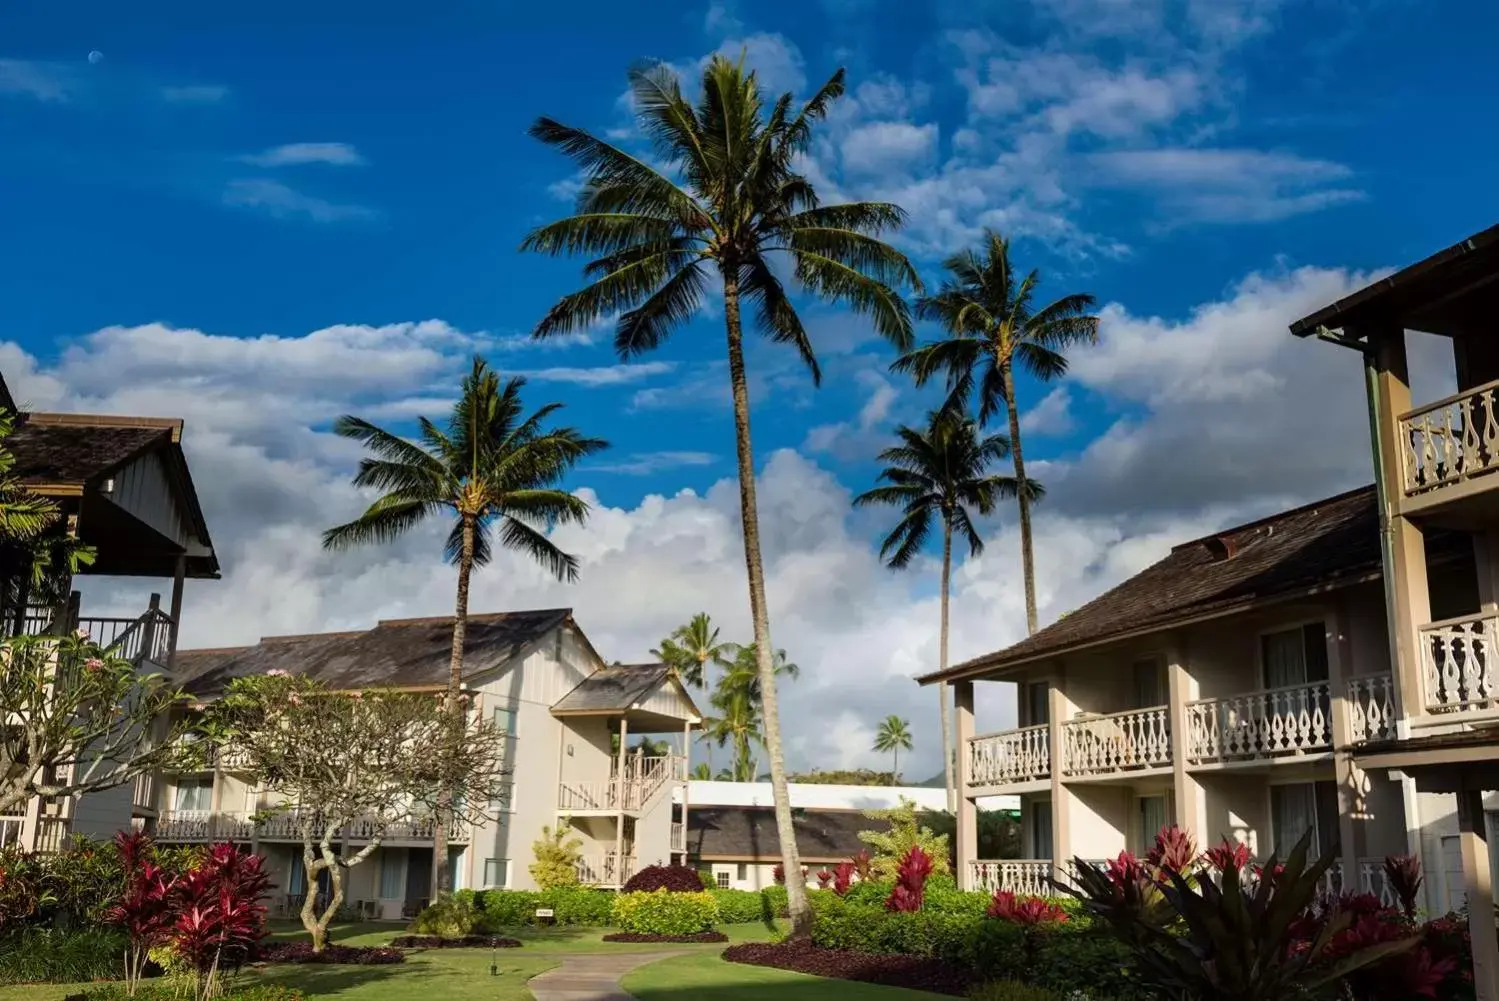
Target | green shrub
(904,832)
(157,991)
(737,907)
(453,917)
(665,913)
(838,924)
(869,891)
(49,955)
(1093,961)
(1012,990)
(557,858)
(569,905)
(775,896)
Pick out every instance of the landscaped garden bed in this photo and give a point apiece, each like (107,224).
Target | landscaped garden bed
(273,953)
(461,942)
(702,936)
(922,973)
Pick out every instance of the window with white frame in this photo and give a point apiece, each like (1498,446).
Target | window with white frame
(392,873)
(1294,656)
(496,873)
(193,795)
(743,871)
(504,797)
(721,878)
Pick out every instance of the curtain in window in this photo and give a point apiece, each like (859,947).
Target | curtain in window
(1150,684)
(392,874)
(297,881)
(1038,708)
(1152,819)
(1293,812)
(1041,828)
(1285,658)
(194,796)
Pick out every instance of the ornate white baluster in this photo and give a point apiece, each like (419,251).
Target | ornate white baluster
(1490,429)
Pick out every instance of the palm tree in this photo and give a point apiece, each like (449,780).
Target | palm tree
(493,470)
(939,473)
(691,648)
(703,772)
(743,672)
(992,325)
(894,735)
(727,206)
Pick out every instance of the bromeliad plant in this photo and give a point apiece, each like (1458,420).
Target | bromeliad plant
(1243,939)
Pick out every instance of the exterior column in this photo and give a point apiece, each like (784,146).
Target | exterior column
(967,827)
(1191,805)
(176,613)
(1407,585)
(1476,881)
(619,804)
(1350,779)
(686,782)
(215,798)
(1059,709)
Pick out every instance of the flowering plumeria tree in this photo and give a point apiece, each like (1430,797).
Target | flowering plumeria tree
(373,761)
(78,719)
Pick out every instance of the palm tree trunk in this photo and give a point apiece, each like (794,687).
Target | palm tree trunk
(947,756)
(895,766)
(1027,555)
(455,686)
(796,886)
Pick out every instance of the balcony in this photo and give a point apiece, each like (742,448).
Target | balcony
(143,793)
(204,825)
(1118,742)
(1457,662)
(1446,445)
(1012,757)
(1294,720)
(605,870)
(1024,877)
(1371,708)
(643,779)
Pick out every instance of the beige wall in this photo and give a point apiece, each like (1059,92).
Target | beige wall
(1098,820)
(1238,808)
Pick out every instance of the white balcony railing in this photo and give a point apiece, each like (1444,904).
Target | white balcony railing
(1025,877)
(1371,879)
(1371,708)
(51,834)
(1094,745)
(204,825)
(1458,662)
(1451,440)
(1013,756)
(644,778)
(143,792)
(605,870)
(1296,719)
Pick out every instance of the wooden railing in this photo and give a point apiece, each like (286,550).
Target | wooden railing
(145,637)
(1139,738)
(678,837)
(1371,708)
(1451,440)
(1026,877)
(143,792)
(51,834)
(1012,756)
(644,778)
(1264,724)
(204,825)
(1458,663)
(605,870)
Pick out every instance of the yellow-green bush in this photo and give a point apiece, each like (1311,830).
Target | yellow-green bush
(665,913)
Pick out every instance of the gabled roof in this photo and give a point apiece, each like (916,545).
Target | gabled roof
(74,453)
(404,653)
(738,833)
(613,689)
(1329,543)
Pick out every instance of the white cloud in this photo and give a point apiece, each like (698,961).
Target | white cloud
(646,463)
(603,375)
(47,82)
(880,147)
(1051,417)
(1230,185)
(296,154)
(195,94)
(281,201)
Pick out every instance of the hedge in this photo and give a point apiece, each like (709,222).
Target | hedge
(52,955)
(511,908)
(663,912)
(737,907)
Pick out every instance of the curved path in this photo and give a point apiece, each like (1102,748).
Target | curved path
(591,977)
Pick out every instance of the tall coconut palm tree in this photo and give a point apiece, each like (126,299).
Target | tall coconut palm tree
(939,474)
(727,207)
(894,735)
(493,470)
(992,326)
(691,648)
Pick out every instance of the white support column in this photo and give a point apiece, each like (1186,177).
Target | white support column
(1191,807)
(967,825)
(686,783)
(619,803)
(1348,777)
(176,612)
(1059,710)
(1480,893)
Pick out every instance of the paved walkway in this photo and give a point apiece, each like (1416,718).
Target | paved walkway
(593,977)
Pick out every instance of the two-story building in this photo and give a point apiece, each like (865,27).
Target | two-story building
(1330,668)
(122,486)
(569,719)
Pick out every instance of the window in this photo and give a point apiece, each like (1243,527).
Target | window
(721,878)
(194,795)
(1037,704)
(496,873)
(505,719)
(1040,811)
(504,797)
(1294,656)
(296,882)
(743,871)
(1152,817)
(392,874)
(1301,807)
(1150,684)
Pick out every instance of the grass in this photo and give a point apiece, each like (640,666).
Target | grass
(703,975)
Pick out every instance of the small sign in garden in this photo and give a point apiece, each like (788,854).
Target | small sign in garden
(545,916)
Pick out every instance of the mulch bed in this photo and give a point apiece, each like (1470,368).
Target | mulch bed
(914,972)
(464,942)
(340,955)
(702,936)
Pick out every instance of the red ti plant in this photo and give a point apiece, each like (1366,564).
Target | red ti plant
(1173,850)
(1403,872)
(1228,855)
(863,864)
(220,917)
(1026,911)
(146,908)
(910,881)
(843,875)
(824,879)
(779,873)
(1126,869)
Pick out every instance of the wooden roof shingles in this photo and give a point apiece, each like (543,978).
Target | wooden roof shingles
(613,689)
(748,833)
(76,453)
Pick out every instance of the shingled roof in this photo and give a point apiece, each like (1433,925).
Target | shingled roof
(77,452)
(741,833)
(615,688)
(1332,542)
(405,653)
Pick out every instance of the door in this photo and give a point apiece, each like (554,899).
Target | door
(1301,807)
(418,881)
(1151,814)
(1150,684)
(1294,656)
(1037,703)
(1040,828)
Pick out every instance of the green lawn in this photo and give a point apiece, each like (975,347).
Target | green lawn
(684,978)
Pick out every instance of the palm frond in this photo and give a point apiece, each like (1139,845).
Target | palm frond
(516,534)
(386,520)
(674,303)
(774,314)
(608,167)
(833,280)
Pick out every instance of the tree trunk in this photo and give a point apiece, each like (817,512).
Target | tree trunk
(1027,554)
(947,755)
(442,821)
(895,765)
(796,886)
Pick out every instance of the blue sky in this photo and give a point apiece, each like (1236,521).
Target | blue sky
(182,215)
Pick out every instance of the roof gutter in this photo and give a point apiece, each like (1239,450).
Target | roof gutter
(1386,527)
